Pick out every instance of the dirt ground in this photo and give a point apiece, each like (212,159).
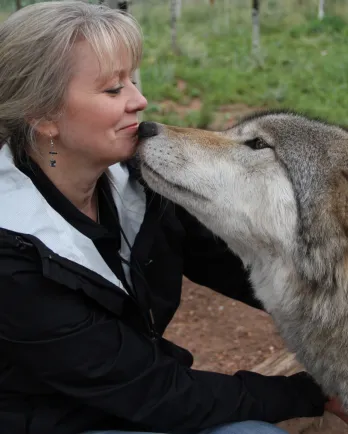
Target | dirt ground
(225,336)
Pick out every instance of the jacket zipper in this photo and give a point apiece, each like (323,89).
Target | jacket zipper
(21,244)
(153,332)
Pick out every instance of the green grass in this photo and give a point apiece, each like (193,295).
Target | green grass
(3,15)
(304,67)
(304,61)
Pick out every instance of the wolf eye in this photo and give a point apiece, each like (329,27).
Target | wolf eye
(256,144)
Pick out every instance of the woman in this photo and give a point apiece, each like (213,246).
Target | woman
(91,262)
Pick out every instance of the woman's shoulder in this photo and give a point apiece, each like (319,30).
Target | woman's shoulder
(32,305)
(16,253)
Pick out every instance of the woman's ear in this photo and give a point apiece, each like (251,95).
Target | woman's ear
(44,127)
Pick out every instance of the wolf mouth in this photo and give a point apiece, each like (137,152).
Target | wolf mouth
(177,187)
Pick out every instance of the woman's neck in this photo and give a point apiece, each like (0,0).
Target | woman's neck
(77,183)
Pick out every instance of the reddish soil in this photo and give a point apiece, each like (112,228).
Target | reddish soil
(223,334)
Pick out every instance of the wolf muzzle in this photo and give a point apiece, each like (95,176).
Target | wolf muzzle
(147,129)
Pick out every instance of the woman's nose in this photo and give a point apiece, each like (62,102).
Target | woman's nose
(142,103)
(137,102)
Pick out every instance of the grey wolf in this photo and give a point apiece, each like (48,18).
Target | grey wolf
(275,188)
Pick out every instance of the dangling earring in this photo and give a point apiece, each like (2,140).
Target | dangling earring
(52,153)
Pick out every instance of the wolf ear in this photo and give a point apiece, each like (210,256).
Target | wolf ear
(340,205)
(340,209)
(323,228)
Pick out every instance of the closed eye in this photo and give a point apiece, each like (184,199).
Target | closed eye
(114,91)
(117,90)
(257,144)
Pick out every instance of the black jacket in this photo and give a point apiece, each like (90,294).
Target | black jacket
(78,353)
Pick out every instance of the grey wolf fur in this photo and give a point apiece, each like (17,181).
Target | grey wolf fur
(275,188)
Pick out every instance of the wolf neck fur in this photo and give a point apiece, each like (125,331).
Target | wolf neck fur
(272,275)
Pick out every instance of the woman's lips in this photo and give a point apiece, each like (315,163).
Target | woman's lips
(131,127)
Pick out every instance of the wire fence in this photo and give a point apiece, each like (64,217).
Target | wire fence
(143,8)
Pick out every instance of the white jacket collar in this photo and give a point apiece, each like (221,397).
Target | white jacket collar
(25,210)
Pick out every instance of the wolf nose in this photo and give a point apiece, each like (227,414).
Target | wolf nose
(147,129)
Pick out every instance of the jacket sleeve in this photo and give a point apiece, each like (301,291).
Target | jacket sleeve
(209,262)
(63,339)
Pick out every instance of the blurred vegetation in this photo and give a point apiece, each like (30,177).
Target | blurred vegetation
(304,61)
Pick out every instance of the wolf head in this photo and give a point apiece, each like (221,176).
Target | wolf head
(275,188)
(275,183)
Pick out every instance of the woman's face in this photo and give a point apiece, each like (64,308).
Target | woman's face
(99,123)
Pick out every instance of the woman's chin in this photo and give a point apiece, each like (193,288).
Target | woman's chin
(123,154)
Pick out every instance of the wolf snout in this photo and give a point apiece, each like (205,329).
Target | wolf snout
(147,129)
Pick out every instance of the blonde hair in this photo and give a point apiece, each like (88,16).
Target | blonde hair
(36,62)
